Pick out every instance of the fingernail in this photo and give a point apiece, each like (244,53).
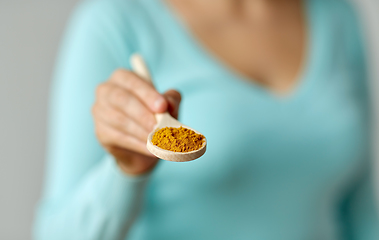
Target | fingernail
(158,104)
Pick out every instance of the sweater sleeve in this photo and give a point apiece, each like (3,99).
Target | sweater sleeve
(360,211)
(85,195)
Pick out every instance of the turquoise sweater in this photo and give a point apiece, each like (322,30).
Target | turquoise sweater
(276,168)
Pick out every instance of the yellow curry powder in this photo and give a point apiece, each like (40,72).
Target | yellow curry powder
(177,139)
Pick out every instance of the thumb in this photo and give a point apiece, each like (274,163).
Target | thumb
(173,98)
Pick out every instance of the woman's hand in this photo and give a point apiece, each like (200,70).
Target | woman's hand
(124,116)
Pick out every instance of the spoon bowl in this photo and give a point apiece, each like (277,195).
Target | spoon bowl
(165,120)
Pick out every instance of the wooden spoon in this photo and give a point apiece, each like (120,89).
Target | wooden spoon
(164,120)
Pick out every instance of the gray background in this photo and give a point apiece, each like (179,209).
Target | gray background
(30,32)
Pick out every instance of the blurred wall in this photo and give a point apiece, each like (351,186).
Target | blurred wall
(29,37)
(30,32)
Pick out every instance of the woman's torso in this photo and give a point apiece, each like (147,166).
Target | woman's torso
(275,168)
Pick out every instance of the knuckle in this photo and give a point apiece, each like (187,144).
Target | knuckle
(133,83)
(100,89)
(94,110)
(117,73)
(120,73)
(119,96)
(99,133)
(118,118)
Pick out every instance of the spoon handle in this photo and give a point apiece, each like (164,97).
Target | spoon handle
(140,68)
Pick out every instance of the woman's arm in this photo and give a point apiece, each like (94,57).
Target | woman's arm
(359,211)
(360,207)
(86,196)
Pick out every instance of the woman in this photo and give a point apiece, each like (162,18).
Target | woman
(278,87)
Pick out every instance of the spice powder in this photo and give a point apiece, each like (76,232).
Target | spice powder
(177,139)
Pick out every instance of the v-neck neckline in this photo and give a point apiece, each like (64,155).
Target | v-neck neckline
(303,81)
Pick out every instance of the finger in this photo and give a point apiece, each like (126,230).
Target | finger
(131,106)
(173,98)
(141,88)
(110,136)
(119,121)
(128,160)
